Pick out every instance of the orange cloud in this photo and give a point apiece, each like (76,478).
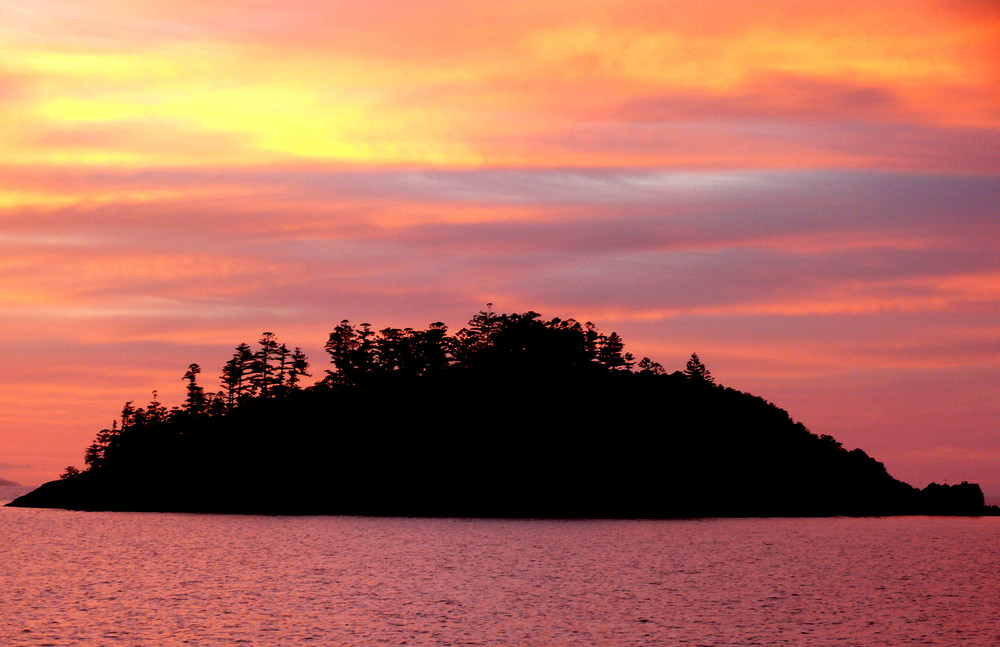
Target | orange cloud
(402,83)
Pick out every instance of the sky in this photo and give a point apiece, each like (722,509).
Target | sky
(806,194)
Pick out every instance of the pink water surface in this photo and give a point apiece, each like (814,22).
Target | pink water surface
(69,578)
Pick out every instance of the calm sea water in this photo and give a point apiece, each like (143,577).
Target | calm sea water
(70,578)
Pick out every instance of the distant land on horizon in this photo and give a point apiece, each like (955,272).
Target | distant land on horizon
(512,416)
(5,483)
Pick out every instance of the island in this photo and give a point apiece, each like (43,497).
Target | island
(512,416)
(5,483)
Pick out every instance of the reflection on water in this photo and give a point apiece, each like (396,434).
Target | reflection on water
(168,579)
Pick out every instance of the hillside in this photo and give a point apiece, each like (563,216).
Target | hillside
(513,416)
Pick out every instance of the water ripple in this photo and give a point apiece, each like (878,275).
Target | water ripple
(164,579)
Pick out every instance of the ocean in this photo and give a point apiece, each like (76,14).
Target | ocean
(74,578)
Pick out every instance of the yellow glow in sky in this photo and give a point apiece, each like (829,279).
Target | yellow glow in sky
(285,93)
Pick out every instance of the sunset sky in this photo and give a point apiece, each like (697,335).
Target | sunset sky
(806,194)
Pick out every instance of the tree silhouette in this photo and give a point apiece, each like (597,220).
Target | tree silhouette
(697,372)
(265,366)
(298,368)
(611,353)
(196,401)
(647,365)
(342,346)
(234,375)
(283,359)
(93,455)
(431,348)
(476,336)
(155,411)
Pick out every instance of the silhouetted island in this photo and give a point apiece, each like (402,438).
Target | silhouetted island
(6,483)
(513,416)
